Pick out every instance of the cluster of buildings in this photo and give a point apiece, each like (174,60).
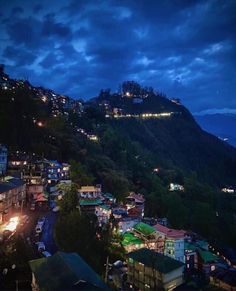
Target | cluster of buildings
(28,181)
(157,256)
(59,104)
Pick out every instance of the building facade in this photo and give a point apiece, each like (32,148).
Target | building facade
(173,242)
(149,270)
(12,197)
(3,160)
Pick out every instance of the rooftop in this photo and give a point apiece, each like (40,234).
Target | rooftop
(87,202)
(169,232)
(10,184)
(207,256)
(136,197)
(88,189)
(144,228)
(65,271)
(155,260)
(130,239)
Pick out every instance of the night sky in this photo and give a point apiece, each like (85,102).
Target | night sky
(185,48)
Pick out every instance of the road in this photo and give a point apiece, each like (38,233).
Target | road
(48,232)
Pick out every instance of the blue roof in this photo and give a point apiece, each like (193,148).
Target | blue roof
(10,184)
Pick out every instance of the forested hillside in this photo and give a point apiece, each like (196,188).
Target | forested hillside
(128,146)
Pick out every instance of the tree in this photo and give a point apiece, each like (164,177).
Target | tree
(79,174)
(69,201)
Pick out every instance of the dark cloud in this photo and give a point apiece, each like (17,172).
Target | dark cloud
(17,10)
(36,8)
(19,57)
(183,48)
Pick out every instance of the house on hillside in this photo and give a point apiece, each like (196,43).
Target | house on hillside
(134,199)
(12,196)
(89,198)
(149,270)
(90,192)
(173,242)
(127,223)
(176,187)
(152,239)
(64,271)
(130,242)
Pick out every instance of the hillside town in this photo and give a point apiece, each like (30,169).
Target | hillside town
(154,256)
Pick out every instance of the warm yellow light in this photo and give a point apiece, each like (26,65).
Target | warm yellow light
(12,224)
(40,124)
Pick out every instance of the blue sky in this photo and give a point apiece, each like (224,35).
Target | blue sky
(184,48)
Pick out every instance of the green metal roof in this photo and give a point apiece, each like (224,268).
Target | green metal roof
(144,228)
(155,260)
(189,246)
(104,206)
(65,271)
(87,202)
(130,239)
(207,256)
(108,195)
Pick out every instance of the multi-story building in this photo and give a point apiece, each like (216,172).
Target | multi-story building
(34,174)
(3,160)
(130,242)
(152,239)
(12,196)
(65,171)
(173,242)
(149,270)
(16,164)
(90,192)
(53,169)
(89,198)
(126,224)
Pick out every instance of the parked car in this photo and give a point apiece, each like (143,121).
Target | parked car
(38,228)
(41,246)
(46,254)
(56,209)
(41,220)
(32,206)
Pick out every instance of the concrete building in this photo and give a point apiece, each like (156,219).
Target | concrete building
(173,242)
(12,196)
(3,160)
(149,270)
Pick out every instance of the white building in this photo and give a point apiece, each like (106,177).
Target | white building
(176,187)
(90,191)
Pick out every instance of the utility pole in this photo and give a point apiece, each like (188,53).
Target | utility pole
(107,266)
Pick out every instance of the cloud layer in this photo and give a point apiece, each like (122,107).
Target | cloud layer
(183,48)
